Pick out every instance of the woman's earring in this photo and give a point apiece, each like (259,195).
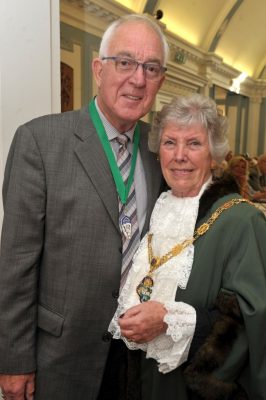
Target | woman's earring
(158,157)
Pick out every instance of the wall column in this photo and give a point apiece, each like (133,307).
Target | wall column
(253,125)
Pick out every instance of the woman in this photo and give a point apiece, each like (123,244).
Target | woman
(204,256)
(238,167)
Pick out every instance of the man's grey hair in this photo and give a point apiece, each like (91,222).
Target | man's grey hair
(196,109)
(108,34)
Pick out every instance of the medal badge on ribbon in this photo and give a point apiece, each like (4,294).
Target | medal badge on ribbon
(125,226)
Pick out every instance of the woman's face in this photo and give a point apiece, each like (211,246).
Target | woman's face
(239,170)
(185,159)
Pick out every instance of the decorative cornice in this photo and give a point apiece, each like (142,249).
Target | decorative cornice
(204,61)
(97,8)
(90,15)
(180,45)
(177,71)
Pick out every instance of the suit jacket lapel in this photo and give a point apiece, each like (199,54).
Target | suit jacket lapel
(91,155)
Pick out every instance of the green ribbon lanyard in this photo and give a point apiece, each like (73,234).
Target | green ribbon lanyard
(122,189)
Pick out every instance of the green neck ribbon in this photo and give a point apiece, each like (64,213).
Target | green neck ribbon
(122,189)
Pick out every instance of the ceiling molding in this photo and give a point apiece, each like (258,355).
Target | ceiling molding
(216,24)
(224,25)
(150,7)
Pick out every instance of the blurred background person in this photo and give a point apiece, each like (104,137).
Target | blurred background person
(238,167)
(257,175)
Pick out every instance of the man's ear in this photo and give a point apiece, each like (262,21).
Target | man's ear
(97,68)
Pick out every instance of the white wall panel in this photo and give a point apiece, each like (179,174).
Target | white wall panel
(29,66)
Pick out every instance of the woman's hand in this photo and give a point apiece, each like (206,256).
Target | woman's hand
(143,322)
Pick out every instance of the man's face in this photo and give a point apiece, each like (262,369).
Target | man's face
(126,97)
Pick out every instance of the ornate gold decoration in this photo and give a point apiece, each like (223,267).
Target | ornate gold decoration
(144,290)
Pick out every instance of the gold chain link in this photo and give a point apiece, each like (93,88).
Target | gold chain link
(156,262)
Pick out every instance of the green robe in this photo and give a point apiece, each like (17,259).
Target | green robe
(230,256)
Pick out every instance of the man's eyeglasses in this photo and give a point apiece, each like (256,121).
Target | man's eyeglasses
(153,71)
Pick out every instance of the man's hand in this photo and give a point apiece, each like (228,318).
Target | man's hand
(143,322)
(18,387)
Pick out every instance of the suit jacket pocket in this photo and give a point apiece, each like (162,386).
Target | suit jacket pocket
(50,321)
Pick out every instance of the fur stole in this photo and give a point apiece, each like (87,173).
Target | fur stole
(213,353)
(220,187)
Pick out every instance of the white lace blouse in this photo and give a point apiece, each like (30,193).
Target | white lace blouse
(173,221)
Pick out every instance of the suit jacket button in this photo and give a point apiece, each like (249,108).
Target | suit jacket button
(106,337)
(115,294)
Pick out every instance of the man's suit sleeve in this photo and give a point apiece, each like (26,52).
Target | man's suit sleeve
(21,248)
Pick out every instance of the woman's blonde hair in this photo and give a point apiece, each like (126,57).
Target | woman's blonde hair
(235,160)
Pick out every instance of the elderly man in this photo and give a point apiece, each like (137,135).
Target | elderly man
(262,168)
(257,175)
(78,193)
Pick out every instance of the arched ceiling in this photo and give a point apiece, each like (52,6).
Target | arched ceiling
(233,29)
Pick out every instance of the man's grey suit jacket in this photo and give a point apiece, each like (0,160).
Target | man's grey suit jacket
(61,254)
